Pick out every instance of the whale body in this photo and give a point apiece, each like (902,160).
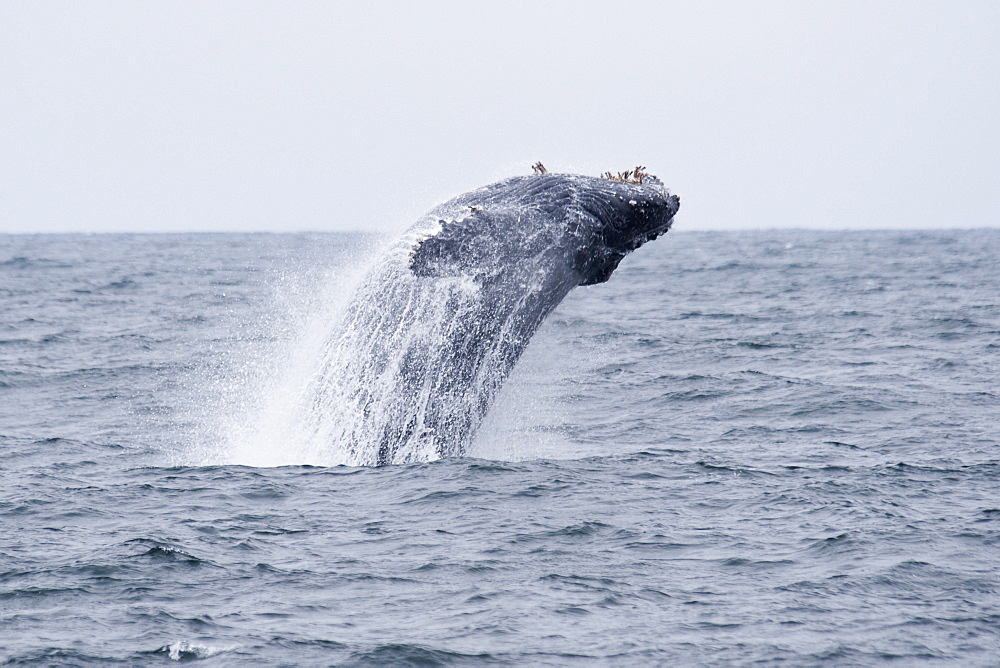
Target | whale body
(438,323)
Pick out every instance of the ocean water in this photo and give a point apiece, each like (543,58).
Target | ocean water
(773,448)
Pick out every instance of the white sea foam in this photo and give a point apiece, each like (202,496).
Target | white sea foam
(182,650)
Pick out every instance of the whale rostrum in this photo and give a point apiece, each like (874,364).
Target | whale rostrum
(438,323)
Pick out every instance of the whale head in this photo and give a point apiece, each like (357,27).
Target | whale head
(620,216)
(582,226)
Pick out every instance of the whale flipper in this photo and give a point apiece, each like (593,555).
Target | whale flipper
(461,246)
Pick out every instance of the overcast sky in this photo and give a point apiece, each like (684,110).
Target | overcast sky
(178,116)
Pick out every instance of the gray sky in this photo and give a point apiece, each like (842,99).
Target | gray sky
(171,116)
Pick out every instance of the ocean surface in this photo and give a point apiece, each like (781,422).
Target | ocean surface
(770,448)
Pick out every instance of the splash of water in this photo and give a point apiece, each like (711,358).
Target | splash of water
(248,400)
(356,358)
(413,361)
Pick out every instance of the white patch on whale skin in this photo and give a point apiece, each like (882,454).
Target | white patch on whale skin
(406,246)
(535,282)
(432,225)
(466,285)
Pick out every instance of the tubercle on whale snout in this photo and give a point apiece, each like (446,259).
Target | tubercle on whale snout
(628,214)
(631,219)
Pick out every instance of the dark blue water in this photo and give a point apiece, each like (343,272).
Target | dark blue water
(767,447)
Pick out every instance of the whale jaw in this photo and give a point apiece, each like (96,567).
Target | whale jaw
(626,215)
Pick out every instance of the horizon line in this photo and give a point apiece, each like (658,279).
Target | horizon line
(386,232)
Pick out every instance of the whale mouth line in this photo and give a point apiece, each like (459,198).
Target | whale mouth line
(657,231)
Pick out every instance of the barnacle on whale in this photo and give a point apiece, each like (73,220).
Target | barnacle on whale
(636,175)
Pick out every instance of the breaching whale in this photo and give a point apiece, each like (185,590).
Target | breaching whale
(437,324)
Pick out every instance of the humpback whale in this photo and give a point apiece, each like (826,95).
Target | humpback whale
(439,321)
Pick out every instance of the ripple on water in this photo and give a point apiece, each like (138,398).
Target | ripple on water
(784,454)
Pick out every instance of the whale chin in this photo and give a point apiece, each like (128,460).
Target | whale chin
(597,267)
